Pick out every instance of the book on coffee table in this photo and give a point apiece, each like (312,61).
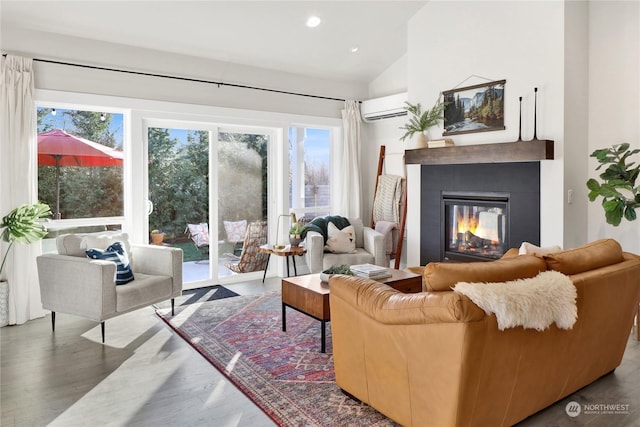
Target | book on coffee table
(370,271)
(375,277)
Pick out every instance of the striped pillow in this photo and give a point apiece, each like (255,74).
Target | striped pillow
(117,254)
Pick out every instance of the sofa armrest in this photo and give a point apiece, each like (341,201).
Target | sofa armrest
(374,244)
(389,306)
(314,243)
(77,285)
(159,261)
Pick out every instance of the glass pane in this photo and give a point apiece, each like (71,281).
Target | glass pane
(309,154)
(476,229)
(80,163)
(179,191)
(49,241)
(242,196)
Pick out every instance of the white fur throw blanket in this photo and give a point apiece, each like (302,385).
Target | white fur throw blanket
(533,303)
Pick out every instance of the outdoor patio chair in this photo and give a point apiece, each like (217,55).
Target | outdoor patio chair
(250,258)
(199,233)
(236,230)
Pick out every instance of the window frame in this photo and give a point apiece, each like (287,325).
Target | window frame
(68,223)
(298,173)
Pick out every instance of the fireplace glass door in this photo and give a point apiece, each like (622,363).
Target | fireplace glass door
(475,227)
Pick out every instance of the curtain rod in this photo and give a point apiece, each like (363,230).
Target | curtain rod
(188,79)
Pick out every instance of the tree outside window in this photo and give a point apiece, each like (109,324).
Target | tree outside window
(85,192)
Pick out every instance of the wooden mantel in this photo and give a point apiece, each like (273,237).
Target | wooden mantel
(522,151)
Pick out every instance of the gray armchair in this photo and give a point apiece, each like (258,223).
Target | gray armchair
(370,248)
(71,283)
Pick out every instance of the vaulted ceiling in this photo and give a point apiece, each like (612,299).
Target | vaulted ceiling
(267,34)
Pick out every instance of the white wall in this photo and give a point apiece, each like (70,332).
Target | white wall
(614,100)
(583,57)
(76,50)
(576,87)
(393,80)
(383,132)
(451,42)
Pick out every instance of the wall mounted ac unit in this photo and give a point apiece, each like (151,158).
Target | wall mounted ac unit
(384,107)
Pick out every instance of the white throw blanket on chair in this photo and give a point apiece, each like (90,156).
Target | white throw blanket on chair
(386,229)
(386,209)
(386,205)
(533,303)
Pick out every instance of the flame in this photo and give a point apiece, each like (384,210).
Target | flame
(465,224)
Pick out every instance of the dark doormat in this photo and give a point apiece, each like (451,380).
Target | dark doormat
(191,296)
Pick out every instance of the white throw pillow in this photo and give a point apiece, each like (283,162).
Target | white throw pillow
(341,241)
(103,240)
(531,249)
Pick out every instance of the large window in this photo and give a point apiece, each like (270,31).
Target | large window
(310,166)
(80,163)
(106,158)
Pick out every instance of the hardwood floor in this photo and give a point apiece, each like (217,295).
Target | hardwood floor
(146,375)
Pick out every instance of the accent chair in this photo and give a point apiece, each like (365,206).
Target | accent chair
(73,283)
(369,249)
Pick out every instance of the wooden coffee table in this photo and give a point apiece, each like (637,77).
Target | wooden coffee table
(309,295)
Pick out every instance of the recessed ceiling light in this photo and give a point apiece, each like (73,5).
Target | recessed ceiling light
(354,49)
(313,21)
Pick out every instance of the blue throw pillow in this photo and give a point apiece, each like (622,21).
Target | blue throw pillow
(118,255)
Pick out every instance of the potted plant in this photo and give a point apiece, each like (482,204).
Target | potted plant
(157,237)
(21,225)
(295,234)
(420,121)
(620,195)
(336,269)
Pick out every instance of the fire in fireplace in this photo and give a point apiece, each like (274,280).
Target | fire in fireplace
(475,225)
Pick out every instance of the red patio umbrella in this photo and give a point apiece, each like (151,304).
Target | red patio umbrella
(58,148)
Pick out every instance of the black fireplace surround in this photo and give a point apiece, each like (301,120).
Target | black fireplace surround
(517,182)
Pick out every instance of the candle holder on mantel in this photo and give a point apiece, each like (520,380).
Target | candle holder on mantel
(535,114)
(520,122)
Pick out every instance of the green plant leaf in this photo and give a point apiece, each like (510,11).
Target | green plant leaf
(614,171)
(593,195)
(421,120)
(630,213)
(622,147)
(612,205)
(606,190)
(593,185)
(614,217)
(620,196)
(23,224)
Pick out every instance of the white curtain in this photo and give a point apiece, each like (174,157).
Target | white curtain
(18,174)
(351,184)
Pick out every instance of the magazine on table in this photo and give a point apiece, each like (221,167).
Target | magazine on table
(375,276)
(370,270)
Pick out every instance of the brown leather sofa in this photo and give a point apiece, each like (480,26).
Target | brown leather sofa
(436,359)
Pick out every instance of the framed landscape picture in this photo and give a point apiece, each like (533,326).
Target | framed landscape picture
(478,108)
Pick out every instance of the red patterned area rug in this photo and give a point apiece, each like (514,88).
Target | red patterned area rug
(283,373)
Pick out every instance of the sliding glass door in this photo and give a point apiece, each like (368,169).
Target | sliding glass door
(187,169)
(242,199)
